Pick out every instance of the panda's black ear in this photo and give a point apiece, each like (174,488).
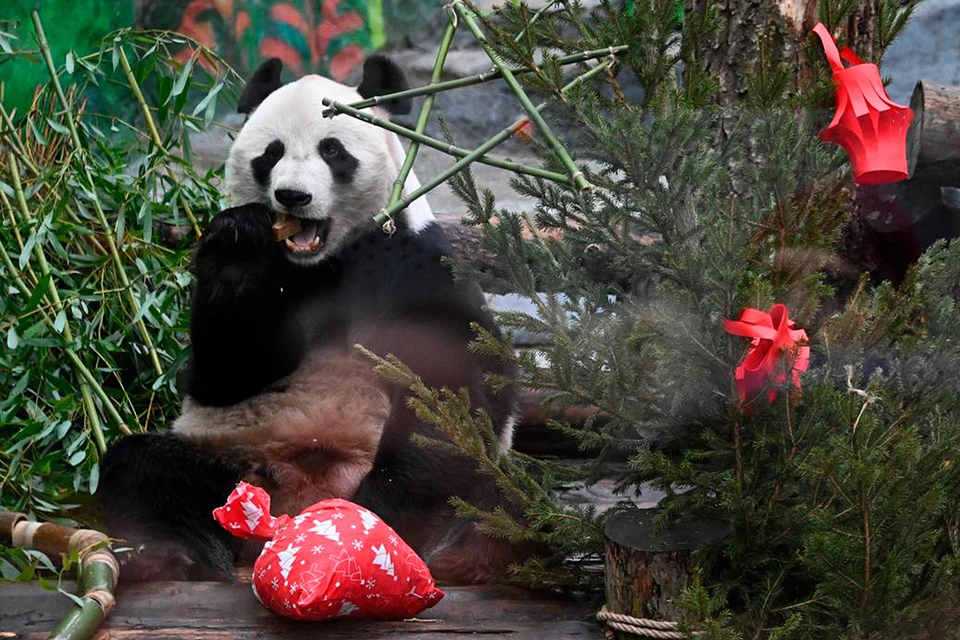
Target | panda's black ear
(264,81)
(382,76)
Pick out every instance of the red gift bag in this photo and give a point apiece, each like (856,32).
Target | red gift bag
(334,559)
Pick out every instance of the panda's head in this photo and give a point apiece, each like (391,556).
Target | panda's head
(334,174)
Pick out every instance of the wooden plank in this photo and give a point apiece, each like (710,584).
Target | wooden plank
(229,611)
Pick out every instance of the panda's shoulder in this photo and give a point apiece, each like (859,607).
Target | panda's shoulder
(405,269)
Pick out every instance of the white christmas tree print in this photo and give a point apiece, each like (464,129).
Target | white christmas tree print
(252,513)
(383,559)
(286,558)
(326,529)
(347,608)
(313,580)
(369,520)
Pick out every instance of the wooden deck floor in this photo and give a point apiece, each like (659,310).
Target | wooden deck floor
(222,611)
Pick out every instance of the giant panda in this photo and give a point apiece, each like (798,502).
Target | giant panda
(275,392)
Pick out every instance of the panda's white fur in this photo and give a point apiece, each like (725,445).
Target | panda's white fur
(293,114)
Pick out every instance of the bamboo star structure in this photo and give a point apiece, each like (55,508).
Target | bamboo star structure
(460,11)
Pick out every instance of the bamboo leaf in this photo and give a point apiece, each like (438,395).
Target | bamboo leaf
(182,79)
(13,340)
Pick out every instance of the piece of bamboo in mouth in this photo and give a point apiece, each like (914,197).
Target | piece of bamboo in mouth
(285,226)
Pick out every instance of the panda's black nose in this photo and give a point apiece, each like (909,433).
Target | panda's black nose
(292,199)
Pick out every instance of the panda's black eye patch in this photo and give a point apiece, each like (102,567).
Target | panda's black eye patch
(263,164)
(341,163)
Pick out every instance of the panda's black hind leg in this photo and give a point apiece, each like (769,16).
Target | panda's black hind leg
(157,493)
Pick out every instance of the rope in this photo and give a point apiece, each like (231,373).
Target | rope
(642,627)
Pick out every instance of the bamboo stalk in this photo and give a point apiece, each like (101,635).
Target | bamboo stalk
(54,296)
(14,140)
(78,363)
(98,568)
(396,206)
(487,76)
(107,229)
(575,174)
(425,108)
(155,135)
(433,143)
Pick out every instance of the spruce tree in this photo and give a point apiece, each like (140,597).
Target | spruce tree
(712,193)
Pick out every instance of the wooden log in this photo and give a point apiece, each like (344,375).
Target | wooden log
(229,611)
(647,568)
(933,142)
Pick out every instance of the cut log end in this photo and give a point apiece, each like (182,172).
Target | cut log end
(933,141)
(647,567)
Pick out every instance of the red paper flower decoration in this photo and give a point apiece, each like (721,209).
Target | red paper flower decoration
(870,126)
(776,349)
(334,559)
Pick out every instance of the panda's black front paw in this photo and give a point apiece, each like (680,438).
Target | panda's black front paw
(237,255)
(243,230)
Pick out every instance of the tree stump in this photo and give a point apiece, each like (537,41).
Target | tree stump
(647,568)
(933,142)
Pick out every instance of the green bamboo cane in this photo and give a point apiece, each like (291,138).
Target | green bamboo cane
(575,174)
(155,135)
(107,229)
(395,207)
(78,363)
(54,296)
(425,108)
(335,107)
(98,568)
(486,76)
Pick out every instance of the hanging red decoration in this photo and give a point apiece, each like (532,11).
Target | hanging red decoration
(778,350)
(870,126)
(335,559)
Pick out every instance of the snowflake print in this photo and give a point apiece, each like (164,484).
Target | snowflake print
(337,516)
(393,540)
(357,545)
(275,584)
(300,537)
(318,549)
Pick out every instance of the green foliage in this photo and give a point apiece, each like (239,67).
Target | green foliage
(98,217)
(842,498)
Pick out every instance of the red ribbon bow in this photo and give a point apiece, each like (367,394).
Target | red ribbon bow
(773,350)
(870,126)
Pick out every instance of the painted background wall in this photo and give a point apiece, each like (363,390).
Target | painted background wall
(326,36)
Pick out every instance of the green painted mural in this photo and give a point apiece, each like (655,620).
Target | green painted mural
(327,36)
(330,37)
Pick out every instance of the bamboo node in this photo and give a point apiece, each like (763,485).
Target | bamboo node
(23,533)
(103,598)
(84,540)
(106,557)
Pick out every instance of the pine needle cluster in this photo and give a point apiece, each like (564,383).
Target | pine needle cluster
(842,496)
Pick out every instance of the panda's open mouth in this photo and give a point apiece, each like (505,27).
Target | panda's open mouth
(313,234)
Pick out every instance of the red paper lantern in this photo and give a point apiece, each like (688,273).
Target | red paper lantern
(870,126)
(777,348)
(335,559)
